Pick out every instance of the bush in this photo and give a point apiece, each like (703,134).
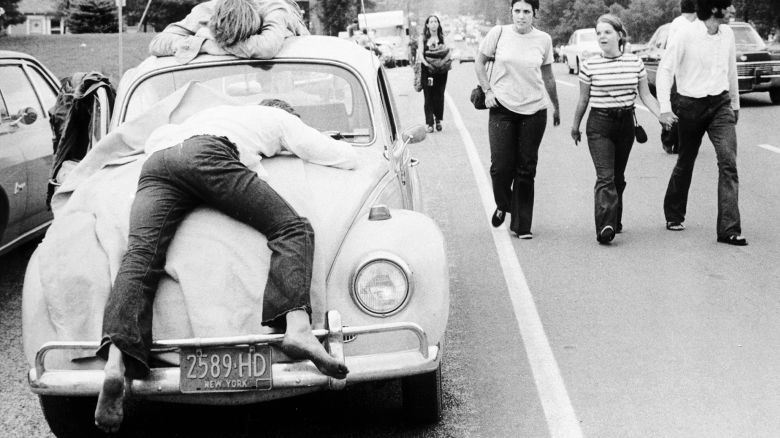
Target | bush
(92,16)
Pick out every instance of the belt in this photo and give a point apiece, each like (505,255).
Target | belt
(615,112)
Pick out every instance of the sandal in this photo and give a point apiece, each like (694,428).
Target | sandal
(733,239)
(675,226)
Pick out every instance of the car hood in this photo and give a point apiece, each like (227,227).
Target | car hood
(216,267)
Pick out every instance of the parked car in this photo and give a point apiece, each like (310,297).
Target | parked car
(582,45)
(757,68)
(27,90)
(380,287)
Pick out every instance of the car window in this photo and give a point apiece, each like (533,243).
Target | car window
(663,35)
(327,97)
(746,36)
(46,93)
(16,92)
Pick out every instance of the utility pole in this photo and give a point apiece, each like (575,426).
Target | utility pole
(119,4)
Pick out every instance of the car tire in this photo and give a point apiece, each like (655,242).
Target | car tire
(70,417)
(422,397)
(774,96)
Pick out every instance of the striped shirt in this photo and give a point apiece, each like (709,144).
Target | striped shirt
(613,81)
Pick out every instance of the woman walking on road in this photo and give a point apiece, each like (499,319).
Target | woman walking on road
(515,94)
(436,62)
(610,83)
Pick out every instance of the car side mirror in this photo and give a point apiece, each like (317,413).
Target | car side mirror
(415,134)
(26,116)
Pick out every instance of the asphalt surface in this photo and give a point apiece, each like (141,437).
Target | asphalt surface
(659,334)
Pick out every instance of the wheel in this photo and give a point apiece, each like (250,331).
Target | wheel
(422,396)
(774,96)
(70,417)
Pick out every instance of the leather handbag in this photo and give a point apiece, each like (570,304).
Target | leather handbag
(639,132)
(477,96)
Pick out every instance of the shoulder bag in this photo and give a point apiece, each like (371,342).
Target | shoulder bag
(477,97)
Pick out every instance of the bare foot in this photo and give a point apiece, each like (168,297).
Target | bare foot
(110,405)
(302,344)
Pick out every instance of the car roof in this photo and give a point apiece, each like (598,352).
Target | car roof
(10,54)
(310,47)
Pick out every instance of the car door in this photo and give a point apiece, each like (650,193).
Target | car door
(16,138)
(38,152)
(652,55)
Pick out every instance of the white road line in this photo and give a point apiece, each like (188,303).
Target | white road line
(769,147)
(561,419)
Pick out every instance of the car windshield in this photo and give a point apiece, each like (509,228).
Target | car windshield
(327,97)
(747,37)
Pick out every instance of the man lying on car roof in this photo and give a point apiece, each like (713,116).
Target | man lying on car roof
(244,28)
(204,161)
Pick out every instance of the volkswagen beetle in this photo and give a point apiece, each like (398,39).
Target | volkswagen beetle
(380,288)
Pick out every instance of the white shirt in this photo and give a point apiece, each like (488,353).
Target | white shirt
(703,65)
(677,24)
(256,130)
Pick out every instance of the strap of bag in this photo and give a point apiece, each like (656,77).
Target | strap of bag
(492,63)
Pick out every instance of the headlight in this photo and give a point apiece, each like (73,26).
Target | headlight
(381,284)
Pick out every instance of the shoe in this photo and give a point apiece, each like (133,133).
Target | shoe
(498,218)
(675,226)
(619,229)
(429,128)
(525,236)
(438,125)
(606,235)
(733,239)
(669,149)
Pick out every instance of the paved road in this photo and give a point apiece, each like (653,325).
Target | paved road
(660,334)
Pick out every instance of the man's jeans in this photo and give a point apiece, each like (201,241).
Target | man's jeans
(713,115)
(514,152)
(201,170)
(610,138)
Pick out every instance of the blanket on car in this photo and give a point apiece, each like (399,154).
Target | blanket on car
(216,267)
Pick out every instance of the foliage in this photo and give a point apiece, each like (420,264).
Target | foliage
(160,13)
(336,15)
(92,16)
(12,14)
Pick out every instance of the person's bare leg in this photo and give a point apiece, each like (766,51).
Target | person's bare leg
(110,406)
(300,343)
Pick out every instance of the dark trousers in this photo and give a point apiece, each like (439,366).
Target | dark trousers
(201,170)
(713,115)
(433,94)
(610,138)
(670,137)
(514,152)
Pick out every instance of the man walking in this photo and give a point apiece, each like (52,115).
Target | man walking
(702,59)
(669,137)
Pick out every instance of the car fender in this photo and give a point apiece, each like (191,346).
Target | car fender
(37,328)
(416,240)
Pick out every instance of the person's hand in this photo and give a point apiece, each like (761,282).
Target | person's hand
(205,32)
(212,48)
(490,99)
(556,117)
(576,135)
(667,120)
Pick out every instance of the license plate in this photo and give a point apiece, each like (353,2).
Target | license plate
(225,369)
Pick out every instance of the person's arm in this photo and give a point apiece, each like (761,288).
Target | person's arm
(664,78)
(480,68)
(552,91)
(315,147)
(582,105)
(733,80)
(180,39)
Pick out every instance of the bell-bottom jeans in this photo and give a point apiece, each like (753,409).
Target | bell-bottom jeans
(610,138)
(433,92)
(203,170)
(713,115)
(514,152)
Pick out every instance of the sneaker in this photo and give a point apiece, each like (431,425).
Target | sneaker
(429,128)
(498,218)
(438,125)
(606,235)
(525,236)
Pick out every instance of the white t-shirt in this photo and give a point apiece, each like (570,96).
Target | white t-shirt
(256,130)
(516,79)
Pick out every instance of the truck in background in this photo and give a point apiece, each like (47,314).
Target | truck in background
(391,30)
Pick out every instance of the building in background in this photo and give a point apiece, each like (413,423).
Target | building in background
(43,18)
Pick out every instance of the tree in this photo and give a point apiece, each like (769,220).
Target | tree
(161,12)
(10,15)
(336,15)
(92,16)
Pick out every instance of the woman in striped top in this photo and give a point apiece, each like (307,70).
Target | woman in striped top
(610,83)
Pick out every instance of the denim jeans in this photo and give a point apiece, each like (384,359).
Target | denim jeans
(514,152)
(713,115)
(201,170)
(610,138)
(434,95)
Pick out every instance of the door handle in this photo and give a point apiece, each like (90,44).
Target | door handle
(18,187)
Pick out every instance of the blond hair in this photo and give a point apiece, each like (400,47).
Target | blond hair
(235,21)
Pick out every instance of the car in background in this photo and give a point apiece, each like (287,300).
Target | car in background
(27,90)
(582,45)
(380,286)
(758,69)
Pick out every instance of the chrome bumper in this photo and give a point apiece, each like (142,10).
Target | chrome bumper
(290,376)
